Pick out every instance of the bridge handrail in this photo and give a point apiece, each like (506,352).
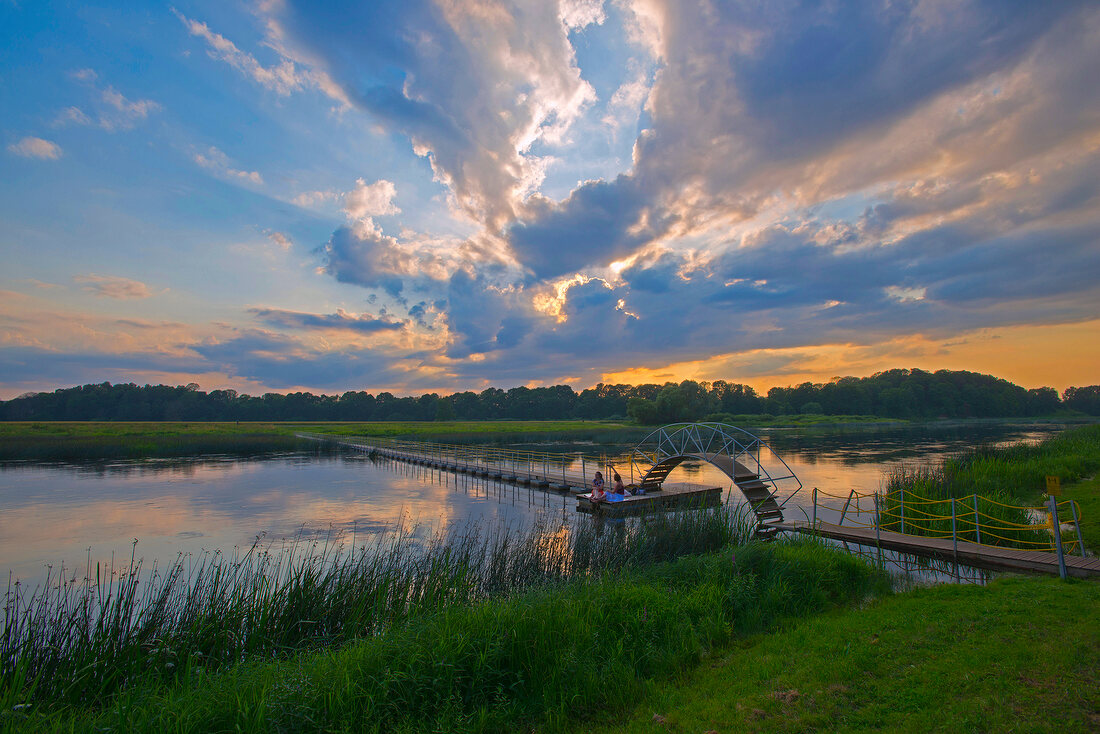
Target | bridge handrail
(751,449)
(906,512)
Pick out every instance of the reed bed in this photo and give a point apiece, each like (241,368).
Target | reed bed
(546,657)
(101,448)
(991,487)
(1020,470)
(86,636)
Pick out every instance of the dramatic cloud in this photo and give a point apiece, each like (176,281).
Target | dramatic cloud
(36,148)
(111,286)
(477,85)
(284,362)
(539,191)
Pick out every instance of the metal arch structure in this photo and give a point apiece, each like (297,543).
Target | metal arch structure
(759,472)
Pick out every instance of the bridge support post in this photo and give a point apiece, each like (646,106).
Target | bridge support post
(1057,528)
(814,521)
(1077,527)
(977,525)
(878,528)
(955,538)
(901,497)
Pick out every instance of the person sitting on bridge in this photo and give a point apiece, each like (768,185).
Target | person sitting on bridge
(597,495)
(618,487)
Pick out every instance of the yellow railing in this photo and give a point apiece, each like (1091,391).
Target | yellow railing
(965,518)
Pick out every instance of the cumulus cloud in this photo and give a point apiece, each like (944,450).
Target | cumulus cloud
(213,159)
(31,147)
(841,173)
(113,286)
(580,13)
(373,200)
(478,85)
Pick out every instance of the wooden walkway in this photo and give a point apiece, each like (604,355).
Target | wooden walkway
(669,497)
(943,549)
(543,476)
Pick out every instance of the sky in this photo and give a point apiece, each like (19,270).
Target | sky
(444,195)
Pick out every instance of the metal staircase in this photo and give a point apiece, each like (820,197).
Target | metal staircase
(735,451)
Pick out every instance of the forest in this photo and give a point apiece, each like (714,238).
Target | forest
(909,394)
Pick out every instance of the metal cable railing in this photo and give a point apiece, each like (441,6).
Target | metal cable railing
(973,518)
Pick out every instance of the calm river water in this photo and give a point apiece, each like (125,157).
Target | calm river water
(53,514)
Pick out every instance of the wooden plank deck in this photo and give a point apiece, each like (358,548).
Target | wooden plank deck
(671,497)
(969,554)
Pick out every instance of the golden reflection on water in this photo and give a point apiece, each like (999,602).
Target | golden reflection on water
(63,513)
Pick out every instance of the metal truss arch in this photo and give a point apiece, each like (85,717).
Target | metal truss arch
(760,473)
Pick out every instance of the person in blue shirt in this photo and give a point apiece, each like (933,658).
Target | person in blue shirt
(597,495)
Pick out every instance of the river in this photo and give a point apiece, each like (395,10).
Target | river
(54,514)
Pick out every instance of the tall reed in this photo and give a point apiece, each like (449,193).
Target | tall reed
(926,501)
(991,486)
(80,639)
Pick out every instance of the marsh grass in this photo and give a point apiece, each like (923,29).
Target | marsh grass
(83,637)
(1002,480)
(97,440)
(542,657)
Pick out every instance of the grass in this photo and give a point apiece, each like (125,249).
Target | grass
(1020,470)
(1018,655)
(79,640)
(798,419)
(545,657)
(1010,475)
(1086,493)
(78,440)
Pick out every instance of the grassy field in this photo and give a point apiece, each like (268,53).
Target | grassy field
(74,440)
(1018,655)
(91,440)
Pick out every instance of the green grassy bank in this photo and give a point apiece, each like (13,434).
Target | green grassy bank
(1009,475)
(545,657)
(1019,655)
(73,440)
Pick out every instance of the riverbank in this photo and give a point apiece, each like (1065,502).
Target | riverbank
(75,440)
(99,440)
(779,637)
(546,657)
(1021,654)
(1007,478)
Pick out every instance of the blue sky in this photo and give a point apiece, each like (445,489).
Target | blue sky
(434,196)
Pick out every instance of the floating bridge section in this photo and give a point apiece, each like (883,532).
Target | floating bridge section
(749,462)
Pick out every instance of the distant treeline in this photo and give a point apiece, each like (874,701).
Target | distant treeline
(900,393)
